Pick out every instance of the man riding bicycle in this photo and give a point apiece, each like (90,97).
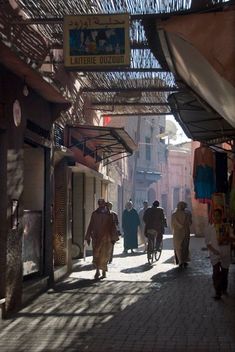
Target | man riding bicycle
(155,221)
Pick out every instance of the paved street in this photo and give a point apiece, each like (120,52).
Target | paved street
(137,308)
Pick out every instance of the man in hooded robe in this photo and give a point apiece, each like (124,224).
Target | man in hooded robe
(181,221)
(130,223)
(102,232)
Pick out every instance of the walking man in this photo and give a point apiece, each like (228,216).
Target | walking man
(102,232)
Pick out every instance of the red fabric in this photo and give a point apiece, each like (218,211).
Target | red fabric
(106,120)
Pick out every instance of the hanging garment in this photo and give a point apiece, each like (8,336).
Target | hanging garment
(204,173)
(221,172)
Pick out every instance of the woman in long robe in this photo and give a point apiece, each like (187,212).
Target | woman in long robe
(181,220)
(130,223)
(102,232)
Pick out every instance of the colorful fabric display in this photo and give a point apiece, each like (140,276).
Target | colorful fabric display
(204,174)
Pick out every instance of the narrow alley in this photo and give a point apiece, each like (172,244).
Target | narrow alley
(138,307)
(117,118)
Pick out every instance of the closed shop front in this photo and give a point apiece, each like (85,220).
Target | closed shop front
(78,214)
(33,213)
(25,185)
(86,190)
(88,147)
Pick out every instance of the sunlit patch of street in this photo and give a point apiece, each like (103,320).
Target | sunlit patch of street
(130,267)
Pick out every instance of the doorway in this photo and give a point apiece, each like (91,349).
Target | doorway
(33,214)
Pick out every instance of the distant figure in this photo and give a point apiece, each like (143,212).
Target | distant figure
(155,219)
(181,220)
(218,238)
(130,223)
(142,224)
(116,223)
(102,232)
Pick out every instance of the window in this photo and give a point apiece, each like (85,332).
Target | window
(176,197)
(147,148)
(164,201)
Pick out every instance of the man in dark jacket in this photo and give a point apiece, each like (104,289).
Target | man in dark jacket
(155,221)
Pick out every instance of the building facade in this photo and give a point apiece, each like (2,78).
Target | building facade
(26,119)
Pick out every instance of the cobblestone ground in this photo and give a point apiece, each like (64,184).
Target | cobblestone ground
(138,308)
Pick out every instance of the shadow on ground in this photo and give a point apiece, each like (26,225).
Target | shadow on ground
(125,316)
(137,269)
(173,312)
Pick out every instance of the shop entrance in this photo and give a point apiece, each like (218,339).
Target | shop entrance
(78,214)
(33,214)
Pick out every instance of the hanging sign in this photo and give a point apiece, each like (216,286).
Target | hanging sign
(96,41)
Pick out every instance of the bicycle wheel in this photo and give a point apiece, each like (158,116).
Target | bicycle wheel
(158,252)
(150,257)
(150,251)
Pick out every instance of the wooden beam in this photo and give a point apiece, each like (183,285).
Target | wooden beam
(143,89)
(115,69)
(134,45)
(105,103)
(125,69)
(139,114)
(137,17)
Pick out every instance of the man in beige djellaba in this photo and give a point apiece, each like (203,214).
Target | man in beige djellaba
(102,232)
(181,220)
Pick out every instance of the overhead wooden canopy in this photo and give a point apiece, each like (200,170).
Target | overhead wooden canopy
(145,74)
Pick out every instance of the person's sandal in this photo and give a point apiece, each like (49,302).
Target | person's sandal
(97,275)
(103,275)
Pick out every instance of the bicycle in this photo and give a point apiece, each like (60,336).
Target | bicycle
(154,250)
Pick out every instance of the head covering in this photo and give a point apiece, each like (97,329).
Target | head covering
(156,203)
(129,205)
(181,205)
(109,205)
(101,202)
